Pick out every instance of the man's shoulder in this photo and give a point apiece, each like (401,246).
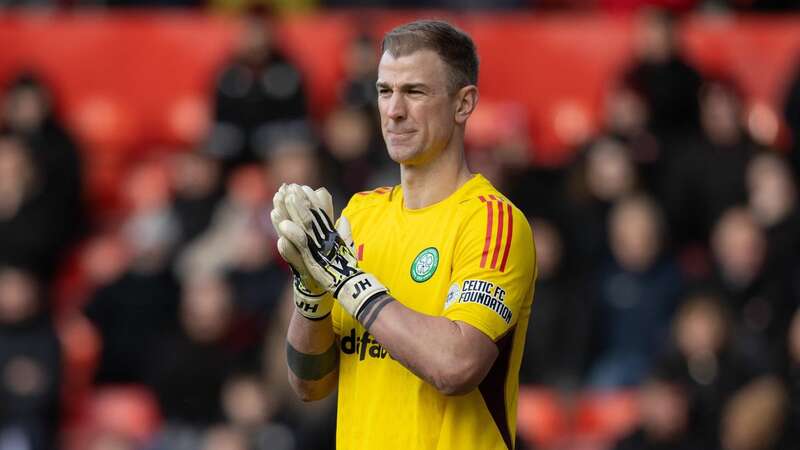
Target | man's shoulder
(377,197)
(492,221)
(482,196)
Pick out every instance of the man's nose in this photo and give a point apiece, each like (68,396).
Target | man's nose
(396,109)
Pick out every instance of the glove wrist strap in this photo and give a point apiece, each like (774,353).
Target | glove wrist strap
(313,306)
(354,292)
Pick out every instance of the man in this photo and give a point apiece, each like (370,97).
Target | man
(425,336)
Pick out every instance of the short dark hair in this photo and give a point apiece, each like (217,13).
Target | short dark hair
(454,46)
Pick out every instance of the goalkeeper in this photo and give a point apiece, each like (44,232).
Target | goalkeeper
(417,301)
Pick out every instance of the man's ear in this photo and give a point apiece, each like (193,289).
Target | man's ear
(467,100)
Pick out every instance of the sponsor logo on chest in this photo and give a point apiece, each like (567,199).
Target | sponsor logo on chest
(363,346)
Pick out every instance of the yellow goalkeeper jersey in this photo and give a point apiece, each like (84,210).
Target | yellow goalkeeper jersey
(469,257)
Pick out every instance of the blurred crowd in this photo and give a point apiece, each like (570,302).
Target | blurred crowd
(668,253)
(292,6)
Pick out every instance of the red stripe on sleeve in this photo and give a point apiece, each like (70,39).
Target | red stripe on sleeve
(488,239)
(360,252)
(499,239)
(508,239)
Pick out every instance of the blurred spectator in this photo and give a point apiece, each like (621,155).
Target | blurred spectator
(104,259)
(636,292)
(664,415)
(196,179)
(626,118)
(224,438)
(30,365)
(760,300)
(237,244)
(709,176)
(29,222)
(214,251)
(358,88)
(555,348)
(190,365)
(354,158)
(754,416)
(772,199)
(258,95)
(603,175)
(293,161)
(539,191)
(28,110)
(251,410)
(131,314)
(134,311)
(710,360)
(791,430)
(791,113)
(663,78)
(257,281)
(499,148)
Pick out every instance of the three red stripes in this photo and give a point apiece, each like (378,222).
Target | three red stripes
(505,225)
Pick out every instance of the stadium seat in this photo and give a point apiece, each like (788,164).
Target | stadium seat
(605,415)
(125,410)
(129,409)
(541,417)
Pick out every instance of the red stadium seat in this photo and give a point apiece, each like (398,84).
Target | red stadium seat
(605,415)
(130,410)
(126,410)
(103,122)
(541,418)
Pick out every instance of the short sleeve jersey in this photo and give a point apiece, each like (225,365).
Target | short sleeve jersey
(470,258)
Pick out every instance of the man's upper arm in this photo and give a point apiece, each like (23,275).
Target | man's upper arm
(483,350)
(493,269)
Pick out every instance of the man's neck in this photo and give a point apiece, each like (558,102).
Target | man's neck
(426,184)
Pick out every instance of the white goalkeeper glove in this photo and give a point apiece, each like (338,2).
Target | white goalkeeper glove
(326,254)
(312,301)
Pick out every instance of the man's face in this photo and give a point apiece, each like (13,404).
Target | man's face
(418,114)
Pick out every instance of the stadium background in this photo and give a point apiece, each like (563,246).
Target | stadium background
(141,302)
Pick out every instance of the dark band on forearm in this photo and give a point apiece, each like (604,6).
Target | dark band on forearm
(373,308)
(312,367)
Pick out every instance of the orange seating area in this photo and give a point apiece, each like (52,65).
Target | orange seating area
(585,420)
(127,410)
(137,80)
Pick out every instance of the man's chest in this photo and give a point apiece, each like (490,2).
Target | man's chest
(412,257)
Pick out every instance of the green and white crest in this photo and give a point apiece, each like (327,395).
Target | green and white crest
(425,264)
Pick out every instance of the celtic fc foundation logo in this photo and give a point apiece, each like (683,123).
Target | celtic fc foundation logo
(424,265)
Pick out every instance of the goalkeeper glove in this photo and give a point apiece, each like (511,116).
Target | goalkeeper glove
(328,258)
(312,300)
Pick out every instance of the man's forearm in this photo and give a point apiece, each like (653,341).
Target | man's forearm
(433,347)
(312,356)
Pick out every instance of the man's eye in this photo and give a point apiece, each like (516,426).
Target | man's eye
(384,91)
(415,92)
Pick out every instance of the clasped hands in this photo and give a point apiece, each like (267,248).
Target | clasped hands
(320,254)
